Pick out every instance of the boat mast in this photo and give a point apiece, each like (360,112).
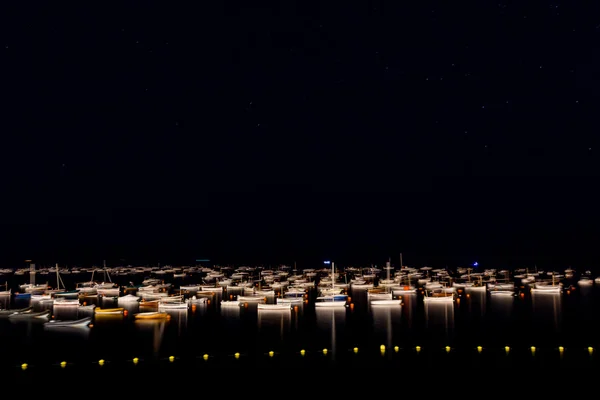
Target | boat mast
(332,275)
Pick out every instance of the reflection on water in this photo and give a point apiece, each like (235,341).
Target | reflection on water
(179,318)
(547,310)
(439,320)
(274,327)
(384,319)
(501,307)
(152,330)
(330,322)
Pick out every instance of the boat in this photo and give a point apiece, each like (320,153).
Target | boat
(149,303)
(438,296)
(335,300)
(6,313)
(109,311)
(230,303)
(290,300)
(386,302)
(128,298)
(30,315)
(251,299)
(172,306)
(338,300)
(274,307)
(197,300)
(547,288)
(65,302)
(152,315)
(76,323)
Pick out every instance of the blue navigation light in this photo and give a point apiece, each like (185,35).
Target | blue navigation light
(326,262)
(475,264)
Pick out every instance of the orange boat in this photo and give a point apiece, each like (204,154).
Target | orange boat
(152,315)
(109,311)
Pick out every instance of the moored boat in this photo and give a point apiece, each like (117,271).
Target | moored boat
(76,323)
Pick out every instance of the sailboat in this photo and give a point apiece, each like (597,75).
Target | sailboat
(385,298)
(61,291)
(545,288)
(332,300)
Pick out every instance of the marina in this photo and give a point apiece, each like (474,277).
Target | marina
(417,315)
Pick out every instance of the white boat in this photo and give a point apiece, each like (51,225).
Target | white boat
(338,300)
(502,292)
(274,307)
(438,296)
(129,298)
(197,300)
(109,292)
(547,288)
(585,282)
(77,323)
(385,302)
(250,299)
(62,302)
(230,303)
(172,305)
(290,300)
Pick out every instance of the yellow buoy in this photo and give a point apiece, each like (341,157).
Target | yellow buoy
(418,349)
(448,348)
(136,360)
(63,364)
(382,347)
(507,349)
(396,349)
(101,362)
(237,355)
(171,358)
(479,349)
(24,366)
(355,350)
(271,353)
(302,352)
(205,357)
(590,350)
(324,351)
(533,350)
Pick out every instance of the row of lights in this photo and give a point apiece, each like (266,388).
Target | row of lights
(325,351)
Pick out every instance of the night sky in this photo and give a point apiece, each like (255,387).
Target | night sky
(274,132)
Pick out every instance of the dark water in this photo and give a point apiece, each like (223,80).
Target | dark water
(206,337)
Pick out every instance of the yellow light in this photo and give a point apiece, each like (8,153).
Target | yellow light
(271,353)
(205,357)
(448,349)
(302,352)
(590,350)
(382,347)
(325,351)
(171,358)
(533,349)
(136,360)
(506,348)
(479,349)
(355,350)
(237,355)
(101,362)
(561,349)
(418,348)
(24,366)
(396,349)
(63,364)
